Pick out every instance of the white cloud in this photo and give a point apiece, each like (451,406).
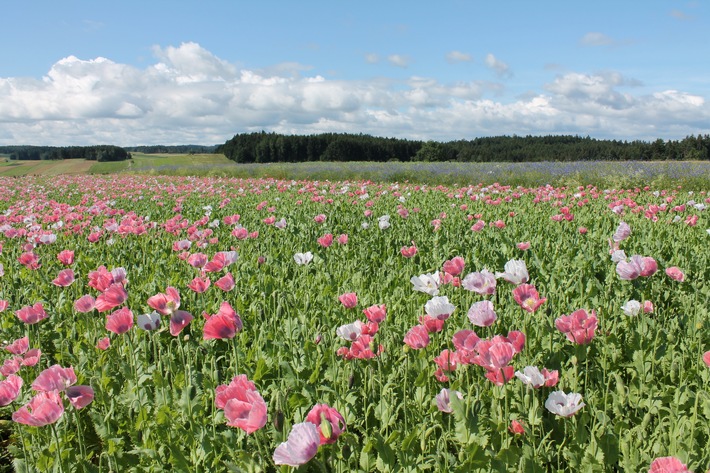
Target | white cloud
(372,58)
(190,96)
(398,60)
(496,65)
(596,39)
(457,56)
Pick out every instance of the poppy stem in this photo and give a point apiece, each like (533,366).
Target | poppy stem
(56,439)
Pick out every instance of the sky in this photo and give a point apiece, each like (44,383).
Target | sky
(84,72)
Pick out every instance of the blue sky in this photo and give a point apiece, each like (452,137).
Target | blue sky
(178,72)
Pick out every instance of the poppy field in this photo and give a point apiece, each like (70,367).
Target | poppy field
(222,324)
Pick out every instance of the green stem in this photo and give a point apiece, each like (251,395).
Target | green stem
(56,439)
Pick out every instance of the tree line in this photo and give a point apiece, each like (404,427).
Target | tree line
(172,149)
(263,147)
(92,153)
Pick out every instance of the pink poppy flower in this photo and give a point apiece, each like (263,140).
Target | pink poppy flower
(623,231)
(220,261)
(443,399)
(329,422)
(10,389)
(343,239)
(579,326)
(199,285)
(43,409)
(197,260)
(706,358)
(178,321)
(103,344)
(326,240)
(478,226)
(225,283)
(119,321)
(528,298)
(675,273)
(32,315)
(523,246)
(64,278)
(66,257)
(493,356)
(302,445)
(647,307)
(182,245)
(54,378)
(483,282)
(224,324)
(465,340)
(19,346)
(240,233)
(417,337)
(243,406)
(532,376)
(447,360)
(30,260)
(11,366)
(80,396)
(320,218)
(668,465)
(454,266)
(349,300)
(481,314)
(3,303)
(84,304)
(648,266)
(408,251)
(582,230)
(432,324)
(501,376)
(100,279)
(167,303)
(31,358)
(376,313)
(112,297)
(516,428)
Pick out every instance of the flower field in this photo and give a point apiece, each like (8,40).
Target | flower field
(213,324)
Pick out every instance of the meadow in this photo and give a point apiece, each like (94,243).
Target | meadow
(154,323)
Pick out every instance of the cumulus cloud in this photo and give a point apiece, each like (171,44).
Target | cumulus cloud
(496,65)
(188,95)
(398,60)
(457,56)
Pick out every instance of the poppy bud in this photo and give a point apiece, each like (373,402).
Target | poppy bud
(325,427)
(279,420)
(318,339)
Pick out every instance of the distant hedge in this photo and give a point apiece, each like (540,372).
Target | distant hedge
(99,153)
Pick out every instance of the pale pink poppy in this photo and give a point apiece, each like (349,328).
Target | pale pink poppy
(432,324)
(103,343)
(443,399)
(647,307)
(500,376)
(30,260)
(343,239)
(240,233)
(10,389)
(19,346)
(417,337)
(66,257)
(326,240)
(493,356)
(668,465)
(84,304)
(31,357)
(350,332)
(165,303)
(243,406)
(80,396)
(706,358)
(447,360)
(11,366)
(178,321)
(376,313)
(54,378)
(532,376)
(648,266)
(329,422)
(100,279)
(349,300)
(199,285)
(320,218)
(483,282)
(32,314)
(454,266)
(119,321)
(516,272)
(439,307)
(197,260)
(579,326)
(523,246)
(478,226)
(226,282)
(43,409)
(182,245)
(675,273)
(64,278)
(623,231)
(528,298)
(481,314)
(220,261)
(465,340)
(582,230)
(112,297)
(3,304)
(302,445)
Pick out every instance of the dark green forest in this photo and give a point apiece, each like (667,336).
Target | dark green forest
(92,153)
(265,147)
(171,149)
